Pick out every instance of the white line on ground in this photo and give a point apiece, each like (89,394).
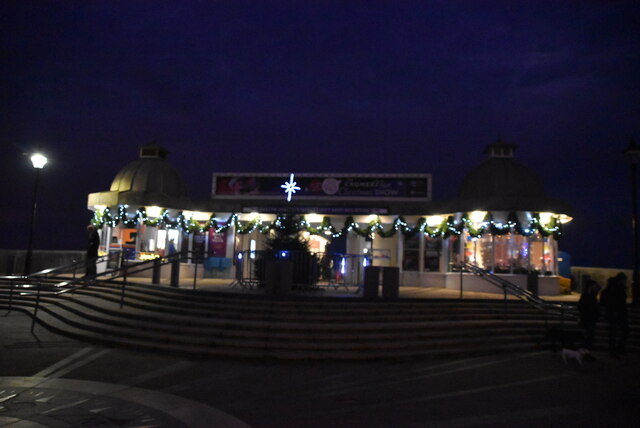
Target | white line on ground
(71,363)
(144,377)
(81,363)
(65,406)
(434,371)
(453,394)
(486,364)
(46,372)
(481,389)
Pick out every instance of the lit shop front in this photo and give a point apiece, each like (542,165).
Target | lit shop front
(343,214)
(501,220)
(337,213)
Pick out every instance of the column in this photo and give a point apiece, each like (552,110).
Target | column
(444,255)
(528,238)
(511,251)
(138,239)
(231,242)
(421,248)
(553,255)
(493,253)
(400,249)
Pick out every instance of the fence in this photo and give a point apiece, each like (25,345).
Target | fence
(12,261)
(309,270)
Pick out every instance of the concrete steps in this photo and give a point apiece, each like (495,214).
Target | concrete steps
(219,324)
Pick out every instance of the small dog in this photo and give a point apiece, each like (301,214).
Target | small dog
(578,356)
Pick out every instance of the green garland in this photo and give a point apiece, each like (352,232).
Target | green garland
(446,229)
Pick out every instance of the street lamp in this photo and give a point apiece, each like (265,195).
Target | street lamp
(38,160)
(633,155)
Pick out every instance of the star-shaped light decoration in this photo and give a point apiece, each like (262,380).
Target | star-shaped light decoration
(290,188)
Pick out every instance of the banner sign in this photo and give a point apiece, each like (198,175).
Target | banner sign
(346,210)
(351,186)
(217,243)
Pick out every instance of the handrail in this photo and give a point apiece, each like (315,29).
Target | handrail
(124,271)
(32,284)
(47,272)
(115,273)
(75,283)
(42,273)
(519,292)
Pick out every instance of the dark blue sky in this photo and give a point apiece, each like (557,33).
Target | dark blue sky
(262,86)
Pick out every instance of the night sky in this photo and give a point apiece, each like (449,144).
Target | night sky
(349,86)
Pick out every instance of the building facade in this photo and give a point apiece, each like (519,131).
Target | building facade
(501,220)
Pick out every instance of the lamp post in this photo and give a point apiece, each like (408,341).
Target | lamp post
(633,155)
(38,160)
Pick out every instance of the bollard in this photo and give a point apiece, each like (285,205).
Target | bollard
(272,277)
(390,282)
(156,271)
(175,272)
(371,282)
(195,274)
(278,277)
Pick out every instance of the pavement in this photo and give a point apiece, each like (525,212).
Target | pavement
(406,292)
(51,381)
(35,390)
(42,402)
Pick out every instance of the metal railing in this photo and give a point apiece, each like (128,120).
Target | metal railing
(310,271)
(52,283)
(43,281)
(559,310)
(74,267)
(56,281)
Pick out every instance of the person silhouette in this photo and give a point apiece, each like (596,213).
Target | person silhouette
(614,299)
(589,312)
(93,244)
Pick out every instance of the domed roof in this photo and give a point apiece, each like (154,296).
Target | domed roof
(503,177)
(148,181)
(501,183)
(151,174)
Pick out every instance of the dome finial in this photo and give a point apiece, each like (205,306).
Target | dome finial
(154,151)
(500,149)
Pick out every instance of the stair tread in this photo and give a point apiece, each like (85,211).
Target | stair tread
(302,324)
(209,324)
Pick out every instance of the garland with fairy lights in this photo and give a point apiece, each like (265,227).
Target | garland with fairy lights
(448,227)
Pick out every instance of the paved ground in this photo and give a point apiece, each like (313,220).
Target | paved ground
(223,285)
(47,380)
